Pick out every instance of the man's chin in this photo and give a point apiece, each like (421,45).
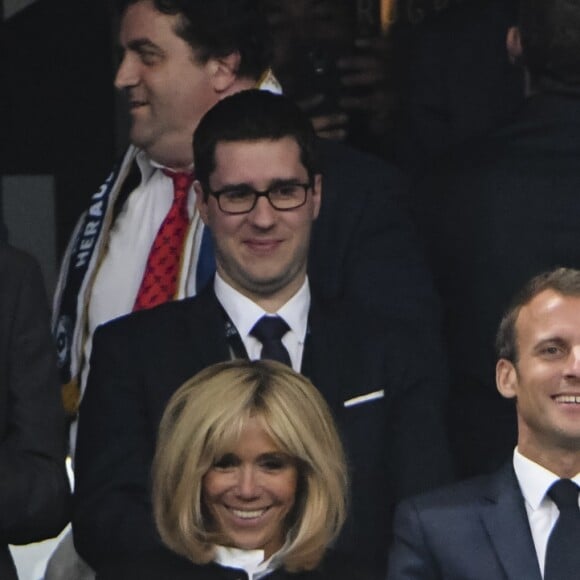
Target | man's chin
(139,135)
(269,286)
(265,282)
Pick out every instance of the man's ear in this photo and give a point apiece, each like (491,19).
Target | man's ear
(513,44)
(200,201)
(317,193)
(506,378)
(224,71)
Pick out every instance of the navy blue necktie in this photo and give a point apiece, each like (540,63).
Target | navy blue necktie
(269,330)
(563,550)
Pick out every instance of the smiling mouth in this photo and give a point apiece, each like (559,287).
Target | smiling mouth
(567,399)
(248,514)
(263,245)
(134,104)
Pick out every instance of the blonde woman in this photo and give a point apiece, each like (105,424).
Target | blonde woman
(249,480)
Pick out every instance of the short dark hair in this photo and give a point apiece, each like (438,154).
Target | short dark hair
(252,115)
(565,281)
(550,34)
(217,28)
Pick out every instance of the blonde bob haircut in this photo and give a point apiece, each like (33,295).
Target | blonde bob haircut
(203,421)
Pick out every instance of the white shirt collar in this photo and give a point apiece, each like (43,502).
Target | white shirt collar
(534,480)
(147,166)
(295,311)
(244,313)
(251,561)
(268,82)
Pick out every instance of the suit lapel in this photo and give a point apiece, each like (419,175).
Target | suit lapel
(319,362)
(504,516)
(205,313)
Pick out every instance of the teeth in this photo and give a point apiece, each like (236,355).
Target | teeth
(247,514)
(574,399)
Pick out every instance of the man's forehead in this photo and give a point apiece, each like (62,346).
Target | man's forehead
(264,160)
(548,311)
(266,146)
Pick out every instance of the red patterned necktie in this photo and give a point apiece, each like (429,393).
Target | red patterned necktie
(160,277)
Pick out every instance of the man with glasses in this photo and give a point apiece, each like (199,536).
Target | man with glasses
(179,58)
(259,190)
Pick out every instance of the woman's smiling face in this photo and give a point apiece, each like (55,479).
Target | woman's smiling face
(250,491)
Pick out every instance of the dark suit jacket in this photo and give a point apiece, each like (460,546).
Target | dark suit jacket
(165,565)
(34,490)
(364,247)
(496,213)
(477,530)
(457,80)
(396,444)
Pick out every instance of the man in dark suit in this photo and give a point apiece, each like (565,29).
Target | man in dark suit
(507,525)
(500,211)
(206,51)
(34,489)
(259,191)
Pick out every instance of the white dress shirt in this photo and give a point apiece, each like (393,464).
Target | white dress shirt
(130,239)
(535,481)
(244,313)
(119,276)
(251,561)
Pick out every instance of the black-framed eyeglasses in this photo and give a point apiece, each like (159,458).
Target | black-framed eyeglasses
(243,198)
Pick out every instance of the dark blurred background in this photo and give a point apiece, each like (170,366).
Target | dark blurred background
(57,117)
(62,126)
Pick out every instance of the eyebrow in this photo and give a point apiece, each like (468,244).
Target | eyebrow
(280,455)
(273,183)
(138,44)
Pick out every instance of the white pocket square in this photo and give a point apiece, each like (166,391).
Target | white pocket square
(364,398)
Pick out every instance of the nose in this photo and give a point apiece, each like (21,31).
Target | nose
(263,215)
(247,487)
(127,74)
(573,366)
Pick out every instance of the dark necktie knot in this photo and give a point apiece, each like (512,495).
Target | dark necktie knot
(269,330)
(564,493)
